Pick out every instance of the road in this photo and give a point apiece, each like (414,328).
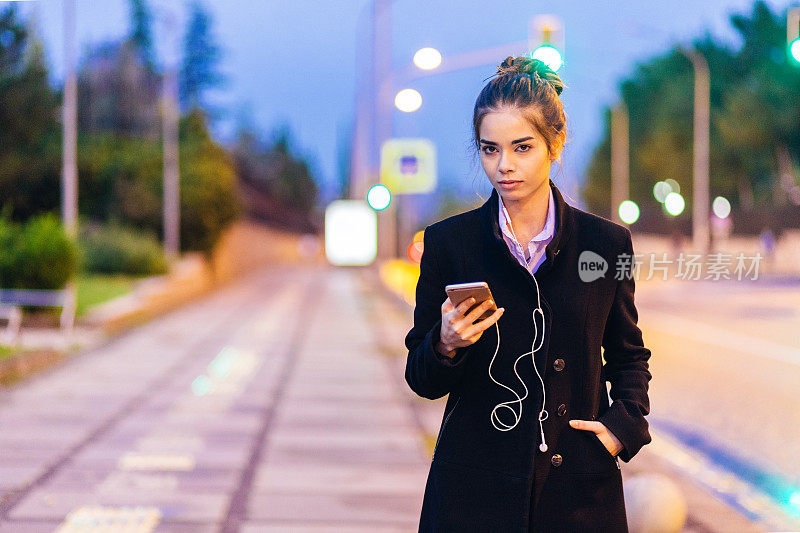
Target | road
(726,369)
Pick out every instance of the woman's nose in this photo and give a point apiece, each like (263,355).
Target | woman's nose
(505,164)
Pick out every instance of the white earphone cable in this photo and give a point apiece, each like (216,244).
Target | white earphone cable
(543,414)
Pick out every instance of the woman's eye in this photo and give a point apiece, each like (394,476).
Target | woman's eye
(525,146)
(487,148)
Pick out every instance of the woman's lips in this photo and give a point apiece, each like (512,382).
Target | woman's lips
(508,184)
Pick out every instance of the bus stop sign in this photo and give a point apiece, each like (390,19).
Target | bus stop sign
(408,165)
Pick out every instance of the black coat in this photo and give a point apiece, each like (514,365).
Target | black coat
(482,479)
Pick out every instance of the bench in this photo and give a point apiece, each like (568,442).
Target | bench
(12,300)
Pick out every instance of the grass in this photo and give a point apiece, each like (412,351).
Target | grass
(6,352)
(95,289)
(92,289)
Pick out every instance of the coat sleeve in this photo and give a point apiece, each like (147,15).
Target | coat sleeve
(626,367)
(429,373)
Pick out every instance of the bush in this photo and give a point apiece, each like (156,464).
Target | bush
(37,254)
(121,179)
(113,248)
(208,197)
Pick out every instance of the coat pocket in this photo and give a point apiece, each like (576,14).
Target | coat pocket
(584,453)
(444,424)
(470,498)
(581,502)
(605,450)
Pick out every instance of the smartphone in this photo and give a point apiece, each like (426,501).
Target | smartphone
(458,292)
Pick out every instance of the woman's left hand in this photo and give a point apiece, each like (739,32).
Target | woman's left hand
(609,440)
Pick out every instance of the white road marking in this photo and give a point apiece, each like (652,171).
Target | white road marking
(697,331)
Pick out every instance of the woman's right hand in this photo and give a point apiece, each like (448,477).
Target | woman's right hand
(458,330)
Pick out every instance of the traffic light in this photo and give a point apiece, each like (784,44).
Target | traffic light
(793,33)
(379,197)
(546,40)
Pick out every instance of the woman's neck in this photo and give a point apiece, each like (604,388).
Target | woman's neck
(529,215)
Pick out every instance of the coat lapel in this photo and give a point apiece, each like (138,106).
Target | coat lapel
(489,215)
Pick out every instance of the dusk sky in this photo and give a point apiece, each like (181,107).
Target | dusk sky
(295,62)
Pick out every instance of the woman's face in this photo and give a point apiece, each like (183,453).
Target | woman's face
(513,154)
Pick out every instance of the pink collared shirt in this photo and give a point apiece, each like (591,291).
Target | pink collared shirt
(536,246)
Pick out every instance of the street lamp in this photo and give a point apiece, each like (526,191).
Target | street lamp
(69,170)
(793,33)
(408,100)
(620,160)
(427,58)
(700,210)
(674,204)
(379,197)
(170,117)
(628,212)
(373,110)
(546,40)
(548,55)
(69,141)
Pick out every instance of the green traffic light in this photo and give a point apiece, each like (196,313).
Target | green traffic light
(794,50)
(549,55)
(379,197)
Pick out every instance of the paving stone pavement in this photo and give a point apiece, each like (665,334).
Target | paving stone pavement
(264,407)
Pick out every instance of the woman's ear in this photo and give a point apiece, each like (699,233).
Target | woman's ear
(558,148)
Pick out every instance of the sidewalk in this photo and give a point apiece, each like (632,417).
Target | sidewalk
(344,452)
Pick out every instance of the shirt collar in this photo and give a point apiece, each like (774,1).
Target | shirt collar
(565,220)
(549,225)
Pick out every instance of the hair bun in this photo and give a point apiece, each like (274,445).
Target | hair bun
(535,68)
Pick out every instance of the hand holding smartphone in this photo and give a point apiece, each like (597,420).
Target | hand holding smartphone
(458,292)
(467,312)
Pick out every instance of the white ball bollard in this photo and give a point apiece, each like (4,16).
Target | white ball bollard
(654,504)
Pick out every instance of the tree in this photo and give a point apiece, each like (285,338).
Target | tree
(121,180)
(209,201)
(29,133)
(118,92)
(755,119)
(762,111)
(283,183)
(201,55)
(140,35)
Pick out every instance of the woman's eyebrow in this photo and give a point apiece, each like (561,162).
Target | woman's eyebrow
(484,141)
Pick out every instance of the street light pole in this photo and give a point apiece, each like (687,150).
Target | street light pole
(170,117)
(700,183)
(373,121)
(395,237)
(620,160)
(389,219)
(171,170)
(69,169)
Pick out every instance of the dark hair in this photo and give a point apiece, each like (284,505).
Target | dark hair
(534,88)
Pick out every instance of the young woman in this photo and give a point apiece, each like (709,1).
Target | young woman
(528,440)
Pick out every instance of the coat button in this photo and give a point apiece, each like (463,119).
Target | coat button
(559,365)
(562,410)
(556,460)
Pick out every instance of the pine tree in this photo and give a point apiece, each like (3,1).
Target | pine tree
(201,56)
(29,133)
(141,22)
